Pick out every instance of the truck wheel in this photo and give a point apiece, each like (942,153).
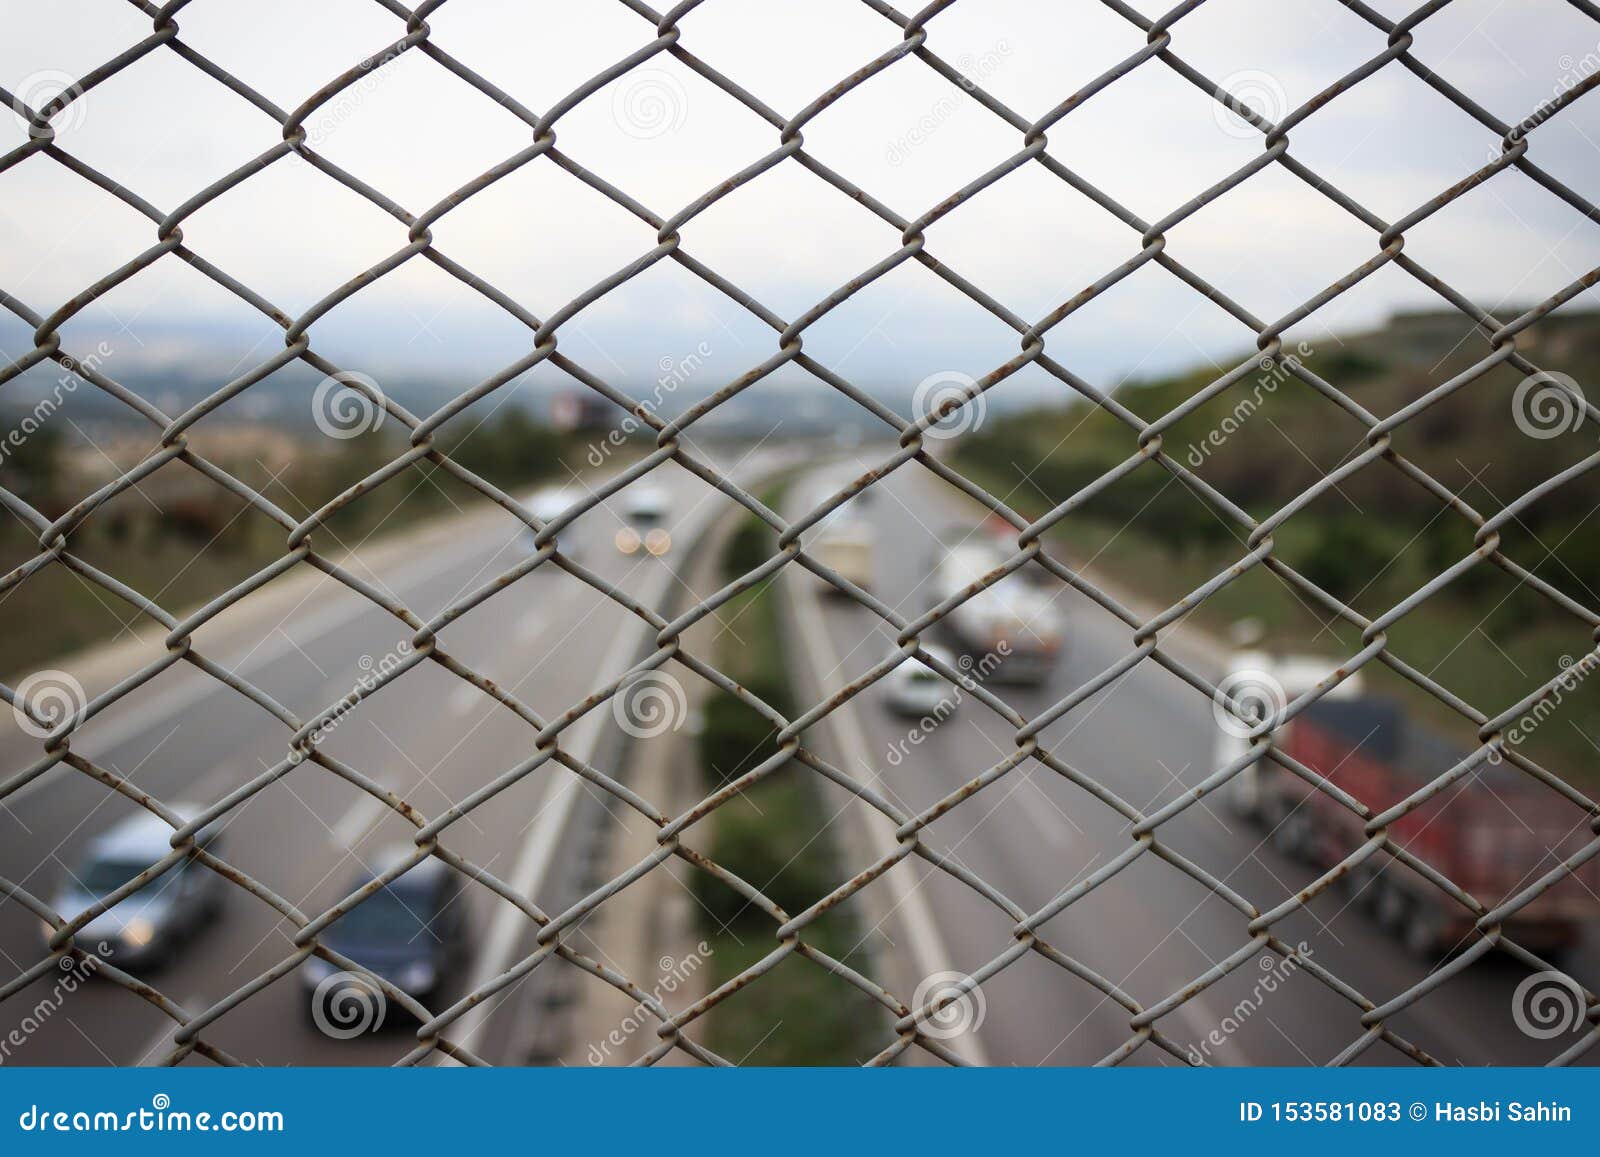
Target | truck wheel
(1422,936)
(1291,835)
(1366,886)
(1393,909)
(1243,795)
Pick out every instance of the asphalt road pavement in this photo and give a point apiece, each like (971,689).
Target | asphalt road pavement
(433,739)
(1150,929)
(429,736)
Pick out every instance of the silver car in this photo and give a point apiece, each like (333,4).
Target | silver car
(915,690)
(144,928)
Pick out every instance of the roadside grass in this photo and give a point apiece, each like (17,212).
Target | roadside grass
(775,837)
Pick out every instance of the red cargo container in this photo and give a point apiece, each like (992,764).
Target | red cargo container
(1493,832)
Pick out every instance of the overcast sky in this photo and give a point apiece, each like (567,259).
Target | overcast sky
(164,129)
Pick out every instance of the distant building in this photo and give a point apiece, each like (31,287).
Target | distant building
(582,410)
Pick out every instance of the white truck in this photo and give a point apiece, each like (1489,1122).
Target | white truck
(1013,630)
(1282,677)
(842,541)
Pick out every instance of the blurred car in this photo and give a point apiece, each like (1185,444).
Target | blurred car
(144,928)
(412,933)
(1013,630)
(644,506)
(915,689)
(1281,677)
(644,514)
(550,503)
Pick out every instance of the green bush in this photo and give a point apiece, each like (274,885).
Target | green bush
(736,736)
(512,449)
(751,545)
(770,841)
(799,1013)
(1344,556)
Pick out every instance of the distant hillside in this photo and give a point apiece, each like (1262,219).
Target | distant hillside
(1374,541)
(1271,436)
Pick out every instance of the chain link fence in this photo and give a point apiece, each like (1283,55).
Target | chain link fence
(57,717)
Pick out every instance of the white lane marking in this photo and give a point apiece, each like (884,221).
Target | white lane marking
(362,817)
(561,795)
(910,905)
(110,734)
(464,698)
(365,813)
(1053,833)
(544,835)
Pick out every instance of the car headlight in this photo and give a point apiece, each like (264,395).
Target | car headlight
(658,542)
(138,932)
(417,977)
(628,540)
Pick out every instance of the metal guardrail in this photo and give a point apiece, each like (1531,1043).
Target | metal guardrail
(906,41)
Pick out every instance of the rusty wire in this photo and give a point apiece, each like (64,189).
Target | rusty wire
(905,47)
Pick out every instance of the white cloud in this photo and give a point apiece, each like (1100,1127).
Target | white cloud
(665,136)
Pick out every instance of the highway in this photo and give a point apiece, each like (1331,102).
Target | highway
(1031,834)
(429,737)
(552,640)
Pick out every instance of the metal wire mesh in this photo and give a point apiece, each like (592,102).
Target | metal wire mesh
(1372,1015)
